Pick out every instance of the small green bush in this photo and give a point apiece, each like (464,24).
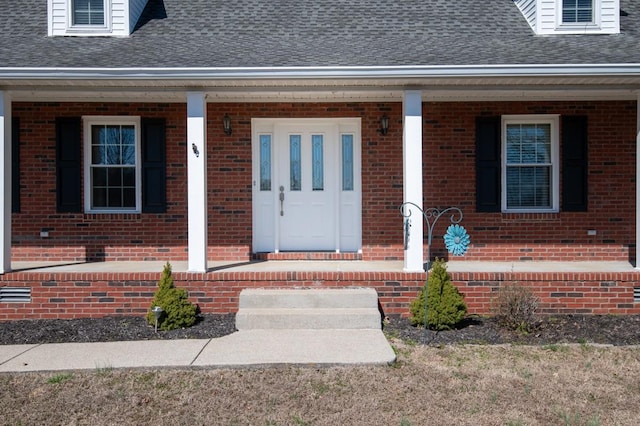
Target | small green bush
(445,304)
(515,306)
(178,311)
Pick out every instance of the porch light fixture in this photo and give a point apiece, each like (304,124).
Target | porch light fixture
(226,125)
(384,125)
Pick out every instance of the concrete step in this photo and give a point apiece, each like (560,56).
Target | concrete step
(313,309)
(308,298)
(308,319)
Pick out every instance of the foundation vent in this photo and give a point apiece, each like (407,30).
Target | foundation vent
(636,294)
(15,294)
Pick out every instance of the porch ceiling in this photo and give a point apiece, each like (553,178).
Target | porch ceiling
(538,82)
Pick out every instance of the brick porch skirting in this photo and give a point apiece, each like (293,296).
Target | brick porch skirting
(81,294)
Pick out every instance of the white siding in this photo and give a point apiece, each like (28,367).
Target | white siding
(545,17)
(528,9)
(119,17)
(610,16)
(57,17)
(135,10)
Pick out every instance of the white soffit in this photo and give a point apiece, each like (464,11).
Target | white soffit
(439,83)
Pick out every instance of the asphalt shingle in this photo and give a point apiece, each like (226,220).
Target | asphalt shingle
(304,33)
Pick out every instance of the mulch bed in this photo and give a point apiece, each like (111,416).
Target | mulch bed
(604,329)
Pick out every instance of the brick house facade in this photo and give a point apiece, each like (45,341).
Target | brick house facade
(451,93)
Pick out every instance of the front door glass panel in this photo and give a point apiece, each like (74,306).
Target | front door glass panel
(295,166)
(317,162)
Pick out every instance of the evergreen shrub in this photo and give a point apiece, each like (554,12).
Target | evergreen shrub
(178,311)
(445,304)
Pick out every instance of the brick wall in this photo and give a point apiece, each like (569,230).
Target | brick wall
(449,180)
(77,236)
(76,295)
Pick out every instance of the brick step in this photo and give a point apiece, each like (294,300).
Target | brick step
(314,309)
(308,255)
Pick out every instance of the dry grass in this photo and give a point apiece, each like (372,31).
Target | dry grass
(462,385)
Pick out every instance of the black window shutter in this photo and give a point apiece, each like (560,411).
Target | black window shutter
(488,166)
(68,165)
(154,173)
(15,165)
(574,164)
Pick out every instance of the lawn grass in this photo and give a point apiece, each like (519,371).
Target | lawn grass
(462,385)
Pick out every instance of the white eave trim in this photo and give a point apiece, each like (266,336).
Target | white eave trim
(435,71)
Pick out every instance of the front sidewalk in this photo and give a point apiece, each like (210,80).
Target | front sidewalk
(240,349)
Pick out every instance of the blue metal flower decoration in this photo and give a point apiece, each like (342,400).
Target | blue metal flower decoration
(457,240)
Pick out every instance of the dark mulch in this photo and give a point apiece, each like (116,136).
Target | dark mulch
(604,329)
(608,329)
(108,329)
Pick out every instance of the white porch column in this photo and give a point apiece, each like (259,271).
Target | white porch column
(197,180)
(638,183)
(5,182)
(412,175)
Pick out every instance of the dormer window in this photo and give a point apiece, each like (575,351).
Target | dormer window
(87,12)
(555,17)
(93,18)
(577,11)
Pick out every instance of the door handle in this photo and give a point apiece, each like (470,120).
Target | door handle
(282,201)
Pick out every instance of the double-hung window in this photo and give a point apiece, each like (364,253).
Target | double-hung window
(112,164)
(88,14)
(530,163)
(577,11)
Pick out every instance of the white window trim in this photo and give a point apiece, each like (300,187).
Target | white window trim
(579,27)
(89,30)
(89,121)
(553,120)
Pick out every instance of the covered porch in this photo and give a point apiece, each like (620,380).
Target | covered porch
(204,221)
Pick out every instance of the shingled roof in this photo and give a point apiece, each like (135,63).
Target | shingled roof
(313,33)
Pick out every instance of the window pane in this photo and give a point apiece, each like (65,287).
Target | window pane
(99,177)
(129,177)
(99,197)
(347,162)
(265,162)
(129,197)
(528,187)
(317,162)
(88,12)
(115,177)
(295,168)
(577,11)
(528,143)
(115,197)
(128,144)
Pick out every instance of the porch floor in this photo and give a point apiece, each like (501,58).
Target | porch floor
(323,266)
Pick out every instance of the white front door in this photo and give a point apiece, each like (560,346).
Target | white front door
(305,183)
(306,187)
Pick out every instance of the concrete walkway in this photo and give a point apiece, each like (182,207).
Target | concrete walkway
(240,349)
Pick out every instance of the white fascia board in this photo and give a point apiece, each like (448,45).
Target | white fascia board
(542,70)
